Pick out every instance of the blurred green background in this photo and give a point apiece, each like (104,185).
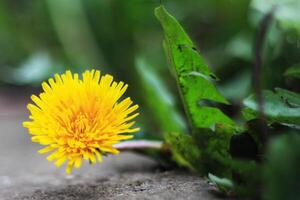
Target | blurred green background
(40,38)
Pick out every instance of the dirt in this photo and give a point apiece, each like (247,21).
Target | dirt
(25,174)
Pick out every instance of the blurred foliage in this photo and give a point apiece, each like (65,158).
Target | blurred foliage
(223,183)
(196,113)
(282,168)
(287,12)
(159,100)
(293,71)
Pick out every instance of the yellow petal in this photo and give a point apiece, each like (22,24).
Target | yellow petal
(46,149)
(60,161)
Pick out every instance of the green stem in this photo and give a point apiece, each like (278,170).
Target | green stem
(139,144)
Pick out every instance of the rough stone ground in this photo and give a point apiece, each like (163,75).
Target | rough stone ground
(26,175)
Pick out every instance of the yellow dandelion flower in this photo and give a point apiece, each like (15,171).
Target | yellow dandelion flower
(80,119)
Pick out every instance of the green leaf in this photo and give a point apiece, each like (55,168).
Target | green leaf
(281,106)
(184,150)
(193,76)
(293,71)
(291,98)
(281,171)
(207,150)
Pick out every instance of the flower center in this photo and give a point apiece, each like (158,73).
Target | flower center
(79,136)
(81,123)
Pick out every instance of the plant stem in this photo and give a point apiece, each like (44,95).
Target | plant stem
(257,67)
(139,144)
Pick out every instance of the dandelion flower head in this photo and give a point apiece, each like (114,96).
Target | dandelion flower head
(80,118)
